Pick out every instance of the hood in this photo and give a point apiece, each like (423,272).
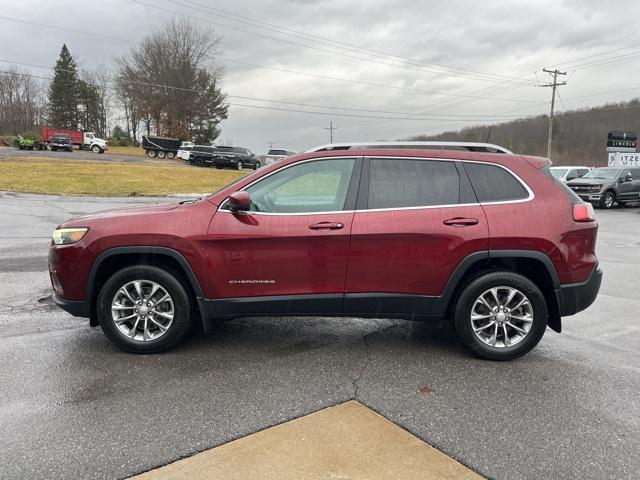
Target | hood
(119,213)
(588,181)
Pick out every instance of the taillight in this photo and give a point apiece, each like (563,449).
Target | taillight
(583,212)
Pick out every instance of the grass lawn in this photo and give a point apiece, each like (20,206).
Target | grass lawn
(56,176)
(137,151)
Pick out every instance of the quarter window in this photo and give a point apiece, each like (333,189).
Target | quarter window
(398,183)
(494,184)
(310,187)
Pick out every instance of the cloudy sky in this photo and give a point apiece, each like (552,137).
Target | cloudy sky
(377,69)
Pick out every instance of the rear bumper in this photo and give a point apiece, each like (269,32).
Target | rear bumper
(77,308)
(576,297)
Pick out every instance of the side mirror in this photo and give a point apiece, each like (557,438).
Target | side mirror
(239,201)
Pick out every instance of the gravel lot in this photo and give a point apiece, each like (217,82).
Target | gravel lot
(72,406)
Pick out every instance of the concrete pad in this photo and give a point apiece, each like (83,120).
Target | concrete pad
(348,441)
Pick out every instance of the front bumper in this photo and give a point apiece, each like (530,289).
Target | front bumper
(576,297)
(77,308)
(590,197)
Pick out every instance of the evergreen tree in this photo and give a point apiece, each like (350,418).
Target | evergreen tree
(63,92)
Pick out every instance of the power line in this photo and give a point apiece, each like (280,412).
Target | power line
(64,29)
(306,36)
(242,97)
(198,19)
(311,112)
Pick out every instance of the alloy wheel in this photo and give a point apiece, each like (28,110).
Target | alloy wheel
(501,317)
(142,310)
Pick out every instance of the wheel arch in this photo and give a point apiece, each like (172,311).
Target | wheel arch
(532,264)
(114,259)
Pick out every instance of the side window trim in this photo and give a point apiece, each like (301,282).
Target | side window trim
(350,199)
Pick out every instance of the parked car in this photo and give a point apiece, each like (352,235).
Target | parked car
(60,142)
(491,241)
(84,140)
(566,174)
(275,155)
(223,157)
(607,185)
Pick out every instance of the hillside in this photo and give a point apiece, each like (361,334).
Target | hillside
(579,136)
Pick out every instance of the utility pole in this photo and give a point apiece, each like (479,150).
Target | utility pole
(331,128)
(553,85)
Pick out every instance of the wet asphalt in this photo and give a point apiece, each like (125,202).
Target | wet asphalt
(73,406)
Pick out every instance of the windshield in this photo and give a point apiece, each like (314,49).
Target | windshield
(604,173)
(559,172)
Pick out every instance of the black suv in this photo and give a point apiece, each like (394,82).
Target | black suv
(61,142)
(608,185)
(221,157)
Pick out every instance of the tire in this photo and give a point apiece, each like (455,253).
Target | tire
(608,199)
(54,149)
(518,343)
(178,304)
(151,153)
(171,155)
(256,166)
(96,149)
(199,162)
(218,166)
(162,154)
(239,165)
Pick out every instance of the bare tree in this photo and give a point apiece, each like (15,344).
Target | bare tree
(172,82)
(21,103)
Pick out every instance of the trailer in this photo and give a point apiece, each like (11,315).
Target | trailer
(161,147)
(82,139)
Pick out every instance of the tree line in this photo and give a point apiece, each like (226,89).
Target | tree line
(579,136)
(168,85)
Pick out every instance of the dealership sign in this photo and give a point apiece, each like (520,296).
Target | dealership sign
(624,159)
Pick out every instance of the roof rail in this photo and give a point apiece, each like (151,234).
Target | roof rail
(469,146)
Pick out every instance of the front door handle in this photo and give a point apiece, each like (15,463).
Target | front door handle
(461,222)
(326,226)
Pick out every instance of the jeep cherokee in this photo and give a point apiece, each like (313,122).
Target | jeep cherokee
(489,240)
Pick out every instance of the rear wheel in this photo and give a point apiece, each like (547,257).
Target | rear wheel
(171,155)
(144,309)
(239,165)
(608,200)
(199,162)
(151,153)
(161,154)
(500,316)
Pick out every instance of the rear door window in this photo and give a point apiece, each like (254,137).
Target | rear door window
(494,184)
(402,183)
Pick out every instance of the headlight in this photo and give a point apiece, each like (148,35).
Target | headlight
(596,188)
(66,236)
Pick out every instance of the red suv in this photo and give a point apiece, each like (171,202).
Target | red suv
(472,233)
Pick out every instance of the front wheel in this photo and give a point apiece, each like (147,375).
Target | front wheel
(500,316)
(256,166)
(239,165)
(144,309)
(96,149)
(608,200)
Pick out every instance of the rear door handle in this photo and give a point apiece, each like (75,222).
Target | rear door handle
(461,222)
(326,226)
